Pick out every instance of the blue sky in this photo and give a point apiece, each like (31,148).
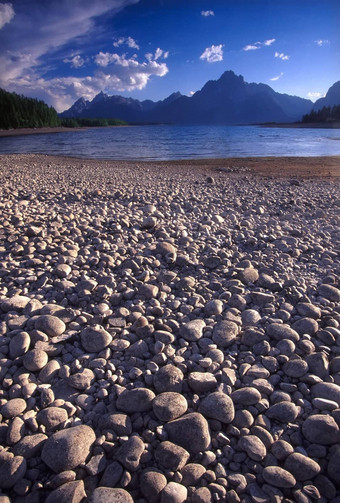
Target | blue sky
(60,50)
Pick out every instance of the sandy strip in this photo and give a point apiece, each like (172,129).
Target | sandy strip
(307,167)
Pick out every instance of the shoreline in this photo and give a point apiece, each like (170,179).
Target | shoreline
(45,130)
(278,167)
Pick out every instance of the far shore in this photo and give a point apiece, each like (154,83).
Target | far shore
(50,130)
(302,125)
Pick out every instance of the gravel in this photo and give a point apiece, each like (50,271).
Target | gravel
(167,334)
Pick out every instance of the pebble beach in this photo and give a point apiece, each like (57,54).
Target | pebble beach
(169,332)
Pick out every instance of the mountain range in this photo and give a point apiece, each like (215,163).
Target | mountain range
(228,100)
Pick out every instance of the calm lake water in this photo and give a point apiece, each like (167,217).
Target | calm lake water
(178,142)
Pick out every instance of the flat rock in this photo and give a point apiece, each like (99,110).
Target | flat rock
(253,446)
(328,390)
(190,431)
(135,400)
(110,495)
(246,396)
(279,331)
(200,382)
(16,303)
(329,292)
(52,418)
(30,445)
(301,467)
(67,449)
(73,491)
(82,380)
(278,477)
(50,325)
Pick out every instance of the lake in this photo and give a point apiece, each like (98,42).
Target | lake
(164,142)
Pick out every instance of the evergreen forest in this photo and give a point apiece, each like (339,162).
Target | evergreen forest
(326,114)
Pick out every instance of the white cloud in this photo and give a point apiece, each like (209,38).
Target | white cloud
(269,42)
(213,54)
(207,13)
(258,45)
(277,77)
(191,93)
(251,47)
(158,54)
(129,41)
(282,56)
(76,62)
(321,42)
(6,14)
(315,95)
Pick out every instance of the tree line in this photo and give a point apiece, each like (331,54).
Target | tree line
(17,111)
(326,114)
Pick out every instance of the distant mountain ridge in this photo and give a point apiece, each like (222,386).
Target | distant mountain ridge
(228,100)
(331,99)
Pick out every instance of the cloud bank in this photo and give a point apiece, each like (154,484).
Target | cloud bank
(259,45)
(207,13)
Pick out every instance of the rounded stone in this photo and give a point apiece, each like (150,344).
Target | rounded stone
(301,467)
(200,382)
(305,326)
(50,325)
(82,379)
(279,331)
(327,390)
(152,482)
(246,396)
(95,339)
(321,429)
(67,449)
(278,477)
(15,303)
(333,468)
(295,368)
(218,406)
(35,360)
(193,330)
(19,344)
(192,474)
(253,446)
(73,491)
(135,400)
(224,333)
(329,292)
(52,417)
(285,412)
(190,431)
(130,452)
(110,495)
(169,405)
(213,307)
(281,449)
(13,408)
(174,493)
(12,469)
(168,378)
(171,456)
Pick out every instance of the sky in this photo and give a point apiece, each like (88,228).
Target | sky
(61,50)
